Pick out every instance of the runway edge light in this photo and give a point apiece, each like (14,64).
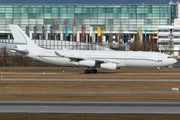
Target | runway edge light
(175,89)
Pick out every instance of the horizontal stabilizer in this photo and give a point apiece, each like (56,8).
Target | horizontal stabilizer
(23,52)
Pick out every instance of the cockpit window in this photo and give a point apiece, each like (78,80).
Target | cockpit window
(170,57)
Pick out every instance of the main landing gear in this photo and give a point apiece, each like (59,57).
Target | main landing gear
(90,70)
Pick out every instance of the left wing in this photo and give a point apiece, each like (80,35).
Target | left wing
(70,57)
(73,58)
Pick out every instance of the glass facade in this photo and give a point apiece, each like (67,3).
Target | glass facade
(130,17)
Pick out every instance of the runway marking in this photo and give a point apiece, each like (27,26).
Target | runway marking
(84,92)
(113,80)
(92,74)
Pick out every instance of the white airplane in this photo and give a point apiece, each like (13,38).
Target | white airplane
(88,58)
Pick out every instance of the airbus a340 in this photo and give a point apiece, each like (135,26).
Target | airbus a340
(88,58)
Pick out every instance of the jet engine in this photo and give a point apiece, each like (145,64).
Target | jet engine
(88,63)
(111,66)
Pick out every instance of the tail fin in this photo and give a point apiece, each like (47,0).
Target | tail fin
(22,41)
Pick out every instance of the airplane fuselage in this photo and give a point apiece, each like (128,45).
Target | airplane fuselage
(125,58)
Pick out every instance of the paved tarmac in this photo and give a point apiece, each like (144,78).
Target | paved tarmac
(150,80)
(90,107)
(84,92)
(44,73)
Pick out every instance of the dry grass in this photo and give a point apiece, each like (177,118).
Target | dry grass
(106,73)
(81,70)
(91,76)
(139,97)
(86,86)
(86,117)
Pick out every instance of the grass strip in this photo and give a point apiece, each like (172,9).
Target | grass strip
(81,70)
(6,86)
(131,97)
(87,117)
(91,76)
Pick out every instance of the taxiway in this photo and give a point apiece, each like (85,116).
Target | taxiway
(90,107)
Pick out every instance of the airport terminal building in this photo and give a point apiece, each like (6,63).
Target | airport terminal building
(112,18)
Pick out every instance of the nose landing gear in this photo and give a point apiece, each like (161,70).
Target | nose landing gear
(157,71)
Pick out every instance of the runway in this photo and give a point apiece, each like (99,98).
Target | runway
(90,107)
(85,92)
(44,73)
(148,80)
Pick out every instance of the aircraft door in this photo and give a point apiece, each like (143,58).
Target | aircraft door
(126,56)
(159,58)
(43,53)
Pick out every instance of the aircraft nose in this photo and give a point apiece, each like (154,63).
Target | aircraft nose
(174,61)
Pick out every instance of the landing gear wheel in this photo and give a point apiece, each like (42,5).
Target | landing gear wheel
(86,71)
(158,68)
(95,71)
(92,71)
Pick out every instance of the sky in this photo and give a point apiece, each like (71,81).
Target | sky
(88,1)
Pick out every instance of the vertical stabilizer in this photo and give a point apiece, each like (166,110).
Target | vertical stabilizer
(21,40)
